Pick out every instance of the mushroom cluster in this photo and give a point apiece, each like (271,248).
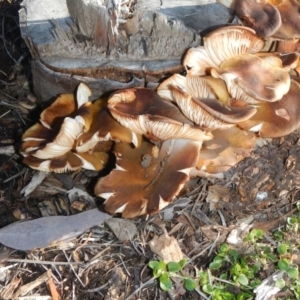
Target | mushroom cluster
(200,124)
(269,18)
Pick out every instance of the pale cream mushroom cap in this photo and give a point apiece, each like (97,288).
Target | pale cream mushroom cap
(252,79)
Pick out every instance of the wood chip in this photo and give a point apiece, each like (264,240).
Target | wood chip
(123,229)
(166,247)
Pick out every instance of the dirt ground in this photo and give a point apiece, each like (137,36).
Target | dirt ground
(97,265)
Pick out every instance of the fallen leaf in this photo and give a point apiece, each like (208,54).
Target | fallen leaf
(123,229)
(49,231)
(217,193)
(166,247)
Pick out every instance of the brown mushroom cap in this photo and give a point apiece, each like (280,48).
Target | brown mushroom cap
(225,150)
(69,161)
(263,17)
(288,60)
(277,119)
(289,12)
(144,112)
(251,78)
(147,178)
(49,146)
(65,105)
(104,127)
(63,142)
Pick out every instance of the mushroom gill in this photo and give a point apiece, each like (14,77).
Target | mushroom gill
(219,46)
(208,113)
(144,112)
(147,178)
(49,145)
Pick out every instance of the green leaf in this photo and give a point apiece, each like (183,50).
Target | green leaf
(203,278)
(164,277)
(218,259)
(189,284)
(159,268)
(153,264)
(298,205)
(183,262)
(215,265)
(272,257)
(173,266)
(165,283)
(224,248)
(293,272)
(258,233)
(223,276)
(282,249)
(235,269)
(207,288)
(278,235)
(228,296)
(242,279)
(280,283)
(292,220)
(234,254)
(283,265)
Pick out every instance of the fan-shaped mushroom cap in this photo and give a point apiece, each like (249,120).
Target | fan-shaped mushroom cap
(288,60)
(197,62)
(195,86)
(277,119)
(231,41)
(144,112)
(49,146)
(210,113)
(147,178)
(104,127)
(63,142)
(225,150)
(65,105)
(69,161)
(251,78)
(263,17)
(220,45)
(289,12)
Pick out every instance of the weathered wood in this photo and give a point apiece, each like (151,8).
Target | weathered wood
(109,45)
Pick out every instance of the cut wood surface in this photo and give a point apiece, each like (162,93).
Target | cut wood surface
(111,45)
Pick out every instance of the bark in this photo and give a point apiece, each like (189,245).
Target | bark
(111,44)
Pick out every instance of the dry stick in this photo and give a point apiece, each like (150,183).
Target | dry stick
(76,275)
(143,285)
(14,176)
(40,262)
(3,115)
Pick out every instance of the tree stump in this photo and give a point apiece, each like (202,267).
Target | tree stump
(111,44)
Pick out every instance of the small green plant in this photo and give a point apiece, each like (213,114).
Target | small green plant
(234,275)
(165,272)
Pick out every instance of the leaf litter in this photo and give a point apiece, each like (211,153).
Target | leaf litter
(94,262)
